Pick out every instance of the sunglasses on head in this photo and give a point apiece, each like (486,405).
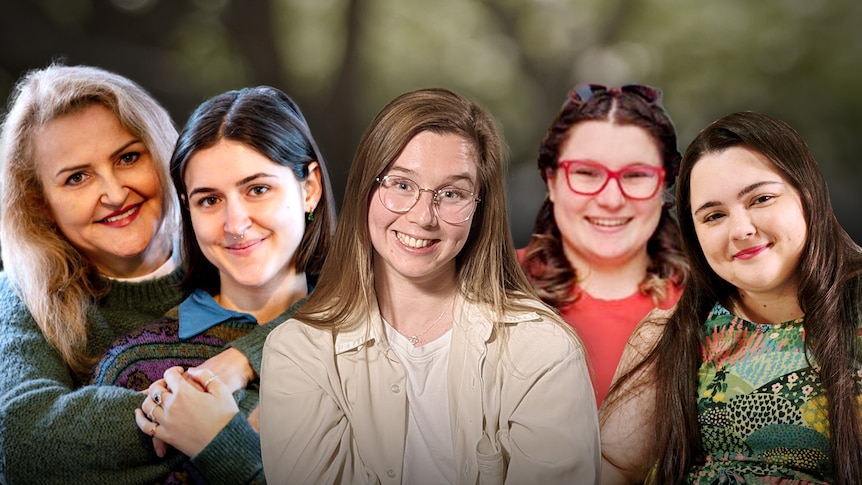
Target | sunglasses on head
(583,92)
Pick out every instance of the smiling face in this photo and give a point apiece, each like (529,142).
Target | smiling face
(417,245)
(248,214)
(605,229)
(749,221)
(102,190)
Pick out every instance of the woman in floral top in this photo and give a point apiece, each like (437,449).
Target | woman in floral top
(755,376)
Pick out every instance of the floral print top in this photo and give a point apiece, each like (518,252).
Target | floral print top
(761,407)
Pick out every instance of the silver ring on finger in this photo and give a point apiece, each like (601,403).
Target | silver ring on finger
(208,381)
(157,398)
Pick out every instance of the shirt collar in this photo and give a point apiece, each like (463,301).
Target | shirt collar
(469,321)
(200,312)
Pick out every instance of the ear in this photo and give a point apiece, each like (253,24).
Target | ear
(312,187)
(551,183)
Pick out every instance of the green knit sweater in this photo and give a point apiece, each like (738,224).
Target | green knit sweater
(55,430)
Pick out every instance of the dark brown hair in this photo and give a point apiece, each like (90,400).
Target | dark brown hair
(269,121)
(829,295)
(546,265)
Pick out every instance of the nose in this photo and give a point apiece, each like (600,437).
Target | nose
(237,219)
(114,192)
(424,214)
(742,226)
(611,196)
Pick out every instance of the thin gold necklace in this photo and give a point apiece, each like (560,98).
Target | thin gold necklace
(415,339)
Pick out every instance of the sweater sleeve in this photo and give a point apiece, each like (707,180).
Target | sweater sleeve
(251,345)
(238,441)
(51,430)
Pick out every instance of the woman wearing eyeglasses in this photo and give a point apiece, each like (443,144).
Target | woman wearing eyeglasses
(605,248)
(422,356)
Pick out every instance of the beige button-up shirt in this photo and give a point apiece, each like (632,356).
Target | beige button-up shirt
(522,409)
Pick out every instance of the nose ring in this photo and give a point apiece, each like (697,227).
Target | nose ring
(238,238)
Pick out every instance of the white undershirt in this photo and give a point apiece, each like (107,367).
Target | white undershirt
(165,269)
(429,454)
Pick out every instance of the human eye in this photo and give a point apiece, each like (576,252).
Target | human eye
(129,158)
(586,171)
(639,173)
(452,195)
(401,185)
(206,201)
(258,190)
(762,199)
(712,217)
(75,179)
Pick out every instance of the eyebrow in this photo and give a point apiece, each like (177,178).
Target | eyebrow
(742,193)
(450,179)
(113,155)
(240,183)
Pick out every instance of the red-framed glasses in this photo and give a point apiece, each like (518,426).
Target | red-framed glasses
(636,181)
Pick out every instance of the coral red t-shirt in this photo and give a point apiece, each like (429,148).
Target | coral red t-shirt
(605,326)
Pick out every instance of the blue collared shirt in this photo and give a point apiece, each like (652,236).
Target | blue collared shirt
(200,312)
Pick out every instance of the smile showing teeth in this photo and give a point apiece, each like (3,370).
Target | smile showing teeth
(121,216)
(608,222)
(411,241)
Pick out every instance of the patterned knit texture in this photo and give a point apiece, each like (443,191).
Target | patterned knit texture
(141,357)
(761,406)
(53,429)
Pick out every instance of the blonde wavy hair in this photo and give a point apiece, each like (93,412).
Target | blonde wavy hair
(56,282)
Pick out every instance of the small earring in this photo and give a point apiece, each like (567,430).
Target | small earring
(309,216)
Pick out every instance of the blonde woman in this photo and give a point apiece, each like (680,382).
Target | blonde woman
(87,231)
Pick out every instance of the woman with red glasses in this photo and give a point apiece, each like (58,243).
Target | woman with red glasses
(605,248)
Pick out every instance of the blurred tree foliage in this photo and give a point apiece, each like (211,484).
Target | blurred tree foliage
(342,60)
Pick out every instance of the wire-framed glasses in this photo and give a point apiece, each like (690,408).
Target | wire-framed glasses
(636,181)
(453,204)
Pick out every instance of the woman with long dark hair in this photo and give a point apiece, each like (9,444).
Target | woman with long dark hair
(754,377)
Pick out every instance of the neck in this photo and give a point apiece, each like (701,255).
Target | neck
(611,280)
(264,303)
(156,254)
(767,308)
(411,307)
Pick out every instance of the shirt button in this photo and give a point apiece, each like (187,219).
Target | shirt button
(395,388)
(390,473)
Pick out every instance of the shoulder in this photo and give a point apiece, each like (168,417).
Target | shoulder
(538,335)
(644,338)
(13,311)
(294,338)
(650,329)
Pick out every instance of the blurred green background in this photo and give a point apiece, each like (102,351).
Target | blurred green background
(342,60)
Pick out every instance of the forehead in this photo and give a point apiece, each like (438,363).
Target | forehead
(723,174)
(435,156)
(228,162)
(82,136)
(611,144)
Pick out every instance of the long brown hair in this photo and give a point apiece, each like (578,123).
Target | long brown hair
(545,263)
(829,294)
(487,267)
(56,282)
